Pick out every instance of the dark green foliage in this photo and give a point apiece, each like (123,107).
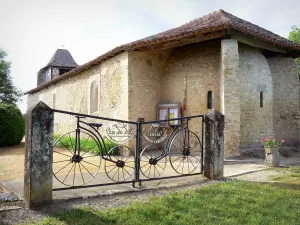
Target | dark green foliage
(295,37)
(8,92)
(12,125)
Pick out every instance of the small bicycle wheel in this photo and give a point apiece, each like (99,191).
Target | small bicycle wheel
(150,166)
(185,152)
(120,167)
(72,168)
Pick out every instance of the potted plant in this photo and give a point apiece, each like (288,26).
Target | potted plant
(271,144)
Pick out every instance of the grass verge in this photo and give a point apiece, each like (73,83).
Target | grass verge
(234,202)
(86,144)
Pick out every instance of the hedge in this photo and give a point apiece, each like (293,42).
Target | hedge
(12,125)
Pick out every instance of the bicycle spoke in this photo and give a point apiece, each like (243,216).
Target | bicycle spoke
(160,166)
(195,158)
(192,163)
(62,168)
(112,169)
(85,142)
(149,171)
(123,174)
(70,139)
(115,173)
(129,166)
(68,173)
(62,153)
(90,163)
(178,165)
(88,150)
(66,147)
(127,172)
(87,170)
(74,174)
(145,165)
(177,148)
(81,173)
(176,158)
(62,161)
(157,171)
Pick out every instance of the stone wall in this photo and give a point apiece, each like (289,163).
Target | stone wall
(145,70)
(230,95)
(255,77)
(286,98)
(190,73)
(73,94)
(169,76)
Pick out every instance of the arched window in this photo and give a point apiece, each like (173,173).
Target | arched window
(53,100)
(94,97)
(209,100)
(261,99)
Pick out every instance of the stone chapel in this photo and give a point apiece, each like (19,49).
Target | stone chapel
(216,61)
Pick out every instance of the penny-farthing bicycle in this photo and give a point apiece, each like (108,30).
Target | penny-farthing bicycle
(75,162)
(183,149)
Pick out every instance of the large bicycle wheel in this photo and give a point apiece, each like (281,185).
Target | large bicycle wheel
(72,168)
(121,166)
(150,166)
(185,152)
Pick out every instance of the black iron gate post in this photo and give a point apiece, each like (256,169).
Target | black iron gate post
(137,152)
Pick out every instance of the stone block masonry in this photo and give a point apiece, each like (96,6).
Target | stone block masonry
(230,95)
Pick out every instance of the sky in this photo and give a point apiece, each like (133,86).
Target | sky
(32,30)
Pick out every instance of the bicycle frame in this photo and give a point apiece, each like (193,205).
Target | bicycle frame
(97,136)
(172,135)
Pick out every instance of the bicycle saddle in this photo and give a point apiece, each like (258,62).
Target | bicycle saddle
(95,124)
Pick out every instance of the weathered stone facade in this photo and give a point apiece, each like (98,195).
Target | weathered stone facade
(132,84)
(73,94)
(255,78)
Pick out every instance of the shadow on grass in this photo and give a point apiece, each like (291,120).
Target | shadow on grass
(82,215)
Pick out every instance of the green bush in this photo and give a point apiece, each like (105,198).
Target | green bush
(86,144)
(12,125)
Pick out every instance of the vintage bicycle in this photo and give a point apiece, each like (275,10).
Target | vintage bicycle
(183,148)
(73,159)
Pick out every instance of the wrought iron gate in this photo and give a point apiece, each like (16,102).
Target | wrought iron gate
(126,151)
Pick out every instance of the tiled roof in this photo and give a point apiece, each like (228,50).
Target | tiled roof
(216,21)
(62,58)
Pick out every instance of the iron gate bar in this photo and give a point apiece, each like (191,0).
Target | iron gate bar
(138,136)
(95,117)
(92,185)
(181,118)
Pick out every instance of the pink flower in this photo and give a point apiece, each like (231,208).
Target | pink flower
(263,139)
(282,140)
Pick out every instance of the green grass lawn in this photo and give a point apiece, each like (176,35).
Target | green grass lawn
(232,202)
(87,144)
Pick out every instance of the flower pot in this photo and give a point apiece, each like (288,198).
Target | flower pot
(272,156)
(271,150)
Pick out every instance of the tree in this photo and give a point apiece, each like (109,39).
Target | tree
(295,37)
(8,92)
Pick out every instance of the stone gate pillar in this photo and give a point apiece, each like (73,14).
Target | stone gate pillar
(214,145)
(38,156)
(230,95)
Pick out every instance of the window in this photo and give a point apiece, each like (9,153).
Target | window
(53,101)
(209,100)
(261,98)
(94,97)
